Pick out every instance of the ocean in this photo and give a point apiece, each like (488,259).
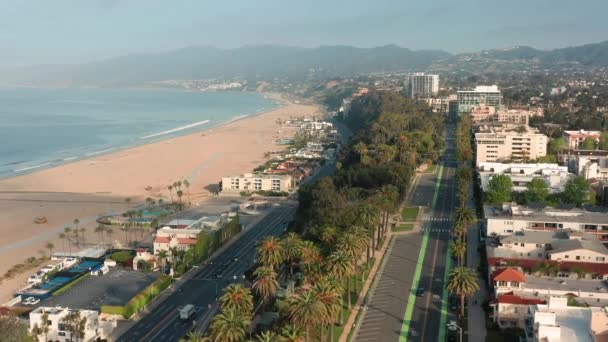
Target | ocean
(41,128)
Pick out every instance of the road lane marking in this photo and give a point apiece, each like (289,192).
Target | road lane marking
(405,327)
(428,298)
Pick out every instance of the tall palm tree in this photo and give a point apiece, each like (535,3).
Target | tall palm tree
(459,249)
(237,297)
(330,295)
(62,237)
(290,333)
(386,199)
(229,325)
(77,231)
(464,216)
(270,252)
(309,253)
(361,149)
(328,235)
(305,311)
(265,283)
(82,231)
(180,193)
(170,188)
(50,246)
(266,336)
(292,245)
(187,185)
(195,337)
(109,232)
(370,217)
(162,255)
(340,265)
(100,229)
(353,243)
(67,231)
(462,281)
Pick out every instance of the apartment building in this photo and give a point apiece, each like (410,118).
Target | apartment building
(509,143)
(59,324)
(521,175)
(481,95)
(422,85)
(257,182)
(575,138)
(591,164)
(511,218)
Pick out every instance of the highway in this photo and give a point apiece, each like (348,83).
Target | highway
(201,289)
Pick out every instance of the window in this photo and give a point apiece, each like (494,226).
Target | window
(600,258)
(522,244)
(539,245)
(61,326)
(578,257)
(566,256)
(540,255)
(502,283)
(528,254)
(61,333)
(515,284)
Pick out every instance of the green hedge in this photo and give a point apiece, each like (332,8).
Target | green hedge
(137,303)
(66,287)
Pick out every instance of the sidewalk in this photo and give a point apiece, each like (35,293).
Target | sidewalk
(476,329)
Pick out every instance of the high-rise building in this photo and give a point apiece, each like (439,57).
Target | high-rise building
(422,85)
(509,143)
(481,95)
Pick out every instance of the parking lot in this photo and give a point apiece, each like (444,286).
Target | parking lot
(114,288)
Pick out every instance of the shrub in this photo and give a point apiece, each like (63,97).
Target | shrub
(121,257)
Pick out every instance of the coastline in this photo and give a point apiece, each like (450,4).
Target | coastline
(88,188)
(275,98)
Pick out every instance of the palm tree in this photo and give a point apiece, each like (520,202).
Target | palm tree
(109,232)
(265,284)
(83,230)
(162,255)
(459,249)
(328,235)
(340,265)
(361,149)
(464,216)
(229,325)
(76,223)
(50,246)
(329,293)
(309,253)
(67,231)
(187,185)
(100,229)
(291,244)
(237,297)
(290,333)
(459,230)
(305,311)
(266,336)
(369,216)
(386,199)
(462,281)
(353,243)
(195,337)
(270,252)
(62,237)
(180,193)
(170,188)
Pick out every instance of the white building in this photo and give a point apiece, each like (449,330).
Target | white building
(509,143)
(257,182)
(481,95)
(575,138)
(521,175)
(59,329)
(556,322)
(422,85)
(511,218)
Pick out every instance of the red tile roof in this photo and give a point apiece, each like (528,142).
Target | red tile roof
(186,241)
(513,299)
(508,274)
(599,269)
(162,239)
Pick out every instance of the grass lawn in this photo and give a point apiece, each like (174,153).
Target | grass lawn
(404,227)
(409,214)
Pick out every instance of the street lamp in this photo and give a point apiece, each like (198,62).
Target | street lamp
(453,326)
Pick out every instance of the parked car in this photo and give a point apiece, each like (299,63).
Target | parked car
(420,292)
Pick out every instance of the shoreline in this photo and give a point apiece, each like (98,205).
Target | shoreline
(86,189)
(275,99)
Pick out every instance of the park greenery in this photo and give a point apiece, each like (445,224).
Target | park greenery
(313,275)
(138,302)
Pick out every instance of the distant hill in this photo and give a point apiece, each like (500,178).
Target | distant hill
(208,62)
(589,55)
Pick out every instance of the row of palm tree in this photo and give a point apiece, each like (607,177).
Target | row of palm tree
(177,186)
(72,236)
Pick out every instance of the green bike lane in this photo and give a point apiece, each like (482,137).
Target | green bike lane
(425,317)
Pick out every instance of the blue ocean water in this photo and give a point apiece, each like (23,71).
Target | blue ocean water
(46,127)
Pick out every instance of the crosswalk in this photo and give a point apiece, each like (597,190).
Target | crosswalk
(435,230)
(436,219)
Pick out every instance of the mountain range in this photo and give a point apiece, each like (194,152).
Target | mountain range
(267,62)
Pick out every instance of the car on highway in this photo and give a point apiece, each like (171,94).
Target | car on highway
(420,292)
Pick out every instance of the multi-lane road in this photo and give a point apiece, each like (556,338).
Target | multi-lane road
(395,311)
(202,288)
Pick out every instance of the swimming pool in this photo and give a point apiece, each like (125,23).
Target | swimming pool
(84,266)
(55,282)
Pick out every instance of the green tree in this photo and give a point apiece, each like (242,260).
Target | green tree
(459,250)
(290,333)
(305,311)
(536,191)
(229,325)
(270,252)
(266,336)
(237,297)
(463,217)
(499,190)
(556,145)
(13,330)
(341,265)
(329,292)
(576,191)
(603,145)
(50,246)
(588,144)
(291,245)
(265,283)
(462,281)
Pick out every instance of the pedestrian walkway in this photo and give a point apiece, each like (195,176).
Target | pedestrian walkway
(476,329)
(436,219)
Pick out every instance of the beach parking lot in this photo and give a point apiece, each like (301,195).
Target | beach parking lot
(114,288)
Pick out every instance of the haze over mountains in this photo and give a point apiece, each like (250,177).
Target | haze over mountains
(265,62)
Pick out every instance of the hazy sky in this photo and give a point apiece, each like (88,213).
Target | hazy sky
(72,31)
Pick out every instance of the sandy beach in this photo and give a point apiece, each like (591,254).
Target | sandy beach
(89,188)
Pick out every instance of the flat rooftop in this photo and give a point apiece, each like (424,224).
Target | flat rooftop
(574,322)
(546,215)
